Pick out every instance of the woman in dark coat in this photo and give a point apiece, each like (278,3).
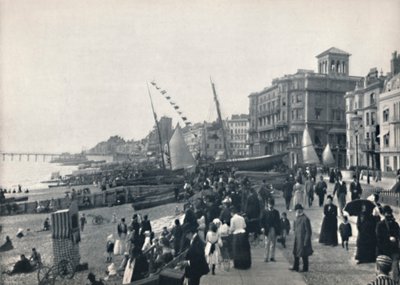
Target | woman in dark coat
(332,176)
(366,239)
(328,235)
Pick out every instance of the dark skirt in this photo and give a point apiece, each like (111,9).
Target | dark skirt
(328,235)
(226,247)
(241,254)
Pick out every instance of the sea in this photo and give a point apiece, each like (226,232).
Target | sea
(29,174)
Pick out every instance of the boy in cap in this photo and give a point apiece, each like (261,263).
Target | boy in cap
(383,267)
(345,232)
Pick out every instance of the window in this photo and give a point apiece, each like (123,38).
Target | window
(367,119)
(318,113)
(372,98)
(367,135)
(386,140)
(299,98)
(386,163)
(373,118)
(293,114)
(386,115)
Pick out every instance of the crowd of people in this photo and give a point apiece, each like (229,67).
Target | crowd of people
(228,213)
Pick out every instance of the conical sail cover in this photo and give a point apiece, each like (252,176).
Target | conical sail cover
(327,156)
(309,153)
(180,155)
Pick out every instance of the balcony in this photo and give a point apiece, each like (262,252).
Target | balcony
(266,128)
(293,146)
(390,149)
(281,124)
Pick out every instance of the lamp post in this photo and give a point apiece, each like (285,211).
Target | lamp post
(357,120)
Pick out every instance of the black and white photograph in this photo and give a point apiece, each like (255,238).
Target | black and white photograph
(150,142)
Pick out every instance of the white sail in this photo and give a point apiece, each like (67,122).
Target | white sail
(327,156)
(309,153)
(181,158)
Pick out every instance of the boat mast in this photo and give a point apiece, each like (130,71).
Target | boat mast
(220,120)
(158,128)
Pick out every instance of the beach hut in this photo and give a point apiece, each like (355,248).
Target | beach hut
(66,235)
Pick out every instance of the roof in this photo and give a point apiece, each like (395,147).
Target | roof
(334,51)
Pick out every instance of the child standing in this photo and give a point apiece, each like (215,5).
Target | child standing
(345,232)
(110,247)
(285,226)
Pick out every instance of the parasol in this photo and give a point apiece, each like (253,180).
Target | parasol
(354,207)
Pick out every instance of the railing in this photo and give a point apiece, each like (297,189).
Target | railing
(390,149)
(385,196)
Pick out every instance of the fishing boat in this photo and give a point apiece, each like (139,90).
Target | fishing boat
(260,163)
(257,163)
(150,202)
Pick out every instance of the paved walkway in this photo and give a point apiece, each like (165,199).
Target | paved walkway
(328,265)
(260,272)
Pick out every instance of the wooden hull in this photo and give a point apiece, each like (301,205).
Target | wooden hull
(260,163)
(150,203)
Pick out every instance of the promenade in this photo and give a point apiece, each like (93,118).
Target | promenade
(328,265)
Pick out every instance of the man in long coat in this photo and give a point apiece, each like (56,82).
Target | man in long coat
(341,191)
(253,212)
(195,260)
(288,190)
(302,239)
(355,189)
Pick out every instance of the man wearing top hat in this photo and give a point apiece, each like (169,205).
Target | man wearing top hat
(302,239)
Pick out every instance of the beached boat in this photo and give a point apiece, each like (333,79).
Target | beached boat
(251,163)
(150,202)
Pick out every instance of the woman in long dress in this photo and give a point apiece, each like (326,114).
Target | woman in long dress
(298,194)
(328,235)
(212,249)
(241,254)
(366,239)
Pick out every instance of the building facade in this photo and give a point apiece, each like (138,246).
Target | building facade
(238,135)
(389,120)
(362,122)
(280,113)
(205,140)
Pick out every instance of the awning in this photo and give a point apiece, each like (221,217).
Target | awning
(296,129)
(337,131)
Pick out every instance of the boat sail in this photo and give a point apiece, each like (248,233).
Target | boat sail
(309,154)
(327,156)
(181,158)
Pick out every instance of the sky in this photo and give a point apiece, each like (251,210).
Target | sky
(73,72)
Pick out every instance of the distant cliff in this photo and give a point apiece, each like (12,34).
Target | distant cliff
(116,144)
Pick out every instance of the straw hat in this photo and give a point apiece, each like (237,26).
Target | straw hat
(110,237)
